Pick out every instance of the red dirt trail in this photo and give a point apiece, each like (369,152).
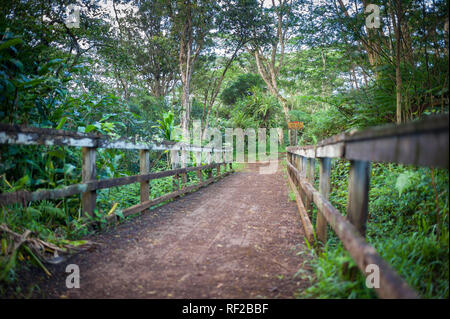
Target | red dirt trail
(237,238)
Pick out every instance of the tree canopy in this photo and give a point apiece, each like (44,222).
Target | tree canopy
(144,68)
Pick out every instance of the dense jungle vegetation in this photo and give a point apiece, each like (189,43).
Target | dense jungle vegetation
(140,68)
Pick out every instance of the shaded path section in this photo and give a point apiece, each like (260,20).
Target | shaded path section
(236,238)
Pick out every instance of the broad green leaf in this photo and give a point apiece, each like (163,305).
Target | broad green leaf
(119,213)
(69,168)
(61,123)
(30,83)
(57,153)
(17,63)
(33,212)
(21,182)
(10,43)
(403,182)
(90,128)
(4,246)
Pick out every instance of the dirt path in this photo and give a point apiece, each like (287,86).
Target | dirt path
(236,238)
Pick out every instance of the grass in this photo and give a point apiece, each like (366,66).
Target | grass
(239,167)
(402,226)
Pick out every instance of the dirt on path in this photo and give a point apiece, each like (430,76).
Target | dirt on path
(237,238)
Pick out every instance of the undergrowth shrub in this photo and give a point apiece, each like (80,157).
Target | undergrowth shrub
(407,225)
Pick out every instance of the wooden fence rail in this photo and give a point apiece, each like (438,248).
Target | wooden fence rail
(15,134)
(423,143)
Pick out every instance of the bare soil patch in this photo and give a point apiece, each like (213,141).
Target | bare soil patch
(236,238)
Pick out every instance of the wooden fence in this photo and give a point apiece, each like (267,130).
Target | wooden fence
(215,157)
(422,143)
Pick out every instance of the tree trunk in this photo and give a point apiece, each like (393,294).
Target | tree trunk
(269,74)
(186,114)
(216,89)
(398,75)
(268,68)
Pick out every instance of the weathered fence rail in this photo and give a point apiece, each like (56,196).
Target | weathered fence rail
(15,134)
(422,143)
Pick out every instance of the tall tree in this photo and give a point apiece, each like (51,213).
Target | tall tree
(397,20)
(269,56)
(155,47)
(193,21)
(238,22)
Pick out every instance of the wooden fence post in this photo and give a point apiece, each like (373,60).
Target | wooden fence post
(88,173)
(358,194)
(183,165)
(224,161)
(310,170)
(304,165)
(298,163)
(198,157)
(302,169)
(288,160)
(144,163)
(230,158)
(324,188)
(218,160)
(299,158)
(209,159)
(174,155)
(292,137)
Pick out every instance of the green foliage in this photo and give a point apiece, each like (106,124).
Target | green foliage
(258,109)
(404,181)
(330,279)
(421,259)
(402,226)
(166,126)
(29,97)
(122,81)
(291,196)
(241,87)
(43,96)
